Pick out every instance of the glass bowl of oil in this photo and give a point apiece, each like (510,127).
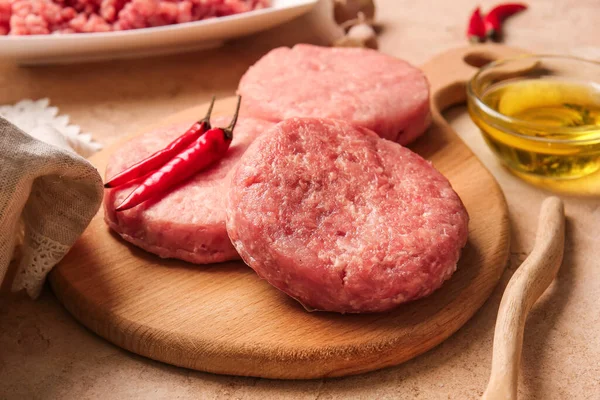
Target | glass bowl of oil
(540,115)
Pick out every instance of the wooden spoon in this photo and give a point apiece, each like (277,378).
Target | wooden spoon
(524,288)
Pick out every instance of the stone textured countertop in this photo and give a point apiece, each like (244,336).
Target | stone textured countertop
(46,354)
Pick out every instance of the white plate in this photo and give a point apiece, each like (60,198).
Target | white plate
(42,49)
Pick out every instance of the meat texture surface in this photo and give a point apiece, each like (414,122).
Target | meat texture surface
(43,17)
(189,221)
(361,86)
(342,220)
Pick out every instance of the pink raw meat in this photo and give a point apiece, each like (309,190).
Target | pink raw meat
(42,17)
(361,86)
(36,17)
(188,222)
(342,220)
(5,13)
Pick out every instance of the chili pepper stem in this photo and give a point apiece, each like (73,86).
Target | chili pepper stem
(209,112)
(475,39)
(229,130)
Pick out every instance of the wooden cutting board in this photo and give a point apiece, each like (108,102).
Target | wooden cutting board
(222,318)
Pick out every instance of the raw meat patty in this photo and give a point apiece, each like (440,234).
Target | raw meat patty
(342,220)
(361,86)
(189,222)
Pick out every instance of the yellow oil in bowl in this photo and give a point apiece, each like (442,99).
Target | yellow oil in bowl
(537,117)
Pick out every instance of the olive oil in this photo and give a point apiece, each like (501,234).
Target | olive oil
(547,127)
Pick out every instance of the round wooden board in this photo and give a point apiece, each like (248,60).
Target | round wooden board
(222,318)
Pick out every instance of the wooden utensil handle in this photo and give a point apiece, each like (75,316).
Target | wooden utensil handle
(524,288)
(448,72)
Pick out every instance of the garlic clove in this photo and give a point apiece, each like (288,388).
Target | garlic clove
(361,19)
(365,34)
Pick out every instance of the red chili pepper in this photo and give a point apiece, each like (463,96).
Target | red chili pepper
(476,29)
(206,150)
(494,19)
(161,157)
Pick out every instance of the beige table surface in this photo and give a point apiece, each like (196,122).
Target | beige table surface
(46,354)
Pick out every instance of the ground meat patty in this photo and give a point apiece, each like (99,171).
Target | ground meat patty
(361,86)
(342,220)
(189,222)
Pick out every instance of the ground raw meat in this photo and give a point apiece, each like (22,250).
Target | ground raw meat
(188,222)
(342,220)
(361,86)
(40,17)
(5,12)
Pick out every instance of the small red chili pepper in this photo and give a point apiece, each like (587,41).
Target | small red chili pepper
(494,19)
(206,150)
(476,29)
(158,159)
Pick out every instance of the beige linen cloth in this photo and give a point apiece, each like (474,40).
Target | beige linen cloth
(48,191)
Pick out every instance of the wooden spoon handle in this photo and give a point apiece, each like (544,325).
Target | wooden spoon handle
(524,288)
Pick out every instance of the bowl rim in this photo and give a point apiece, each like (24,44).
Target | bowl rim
(471,94)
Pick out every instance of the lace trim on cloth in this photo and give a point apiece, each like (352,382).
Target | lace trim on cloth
(53,193)
(40,254)
(44,123)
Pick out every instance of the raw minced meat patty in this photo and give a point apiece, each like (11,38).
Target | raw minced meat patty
(39,17)
(342,220)
(361,86)
(188,222)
